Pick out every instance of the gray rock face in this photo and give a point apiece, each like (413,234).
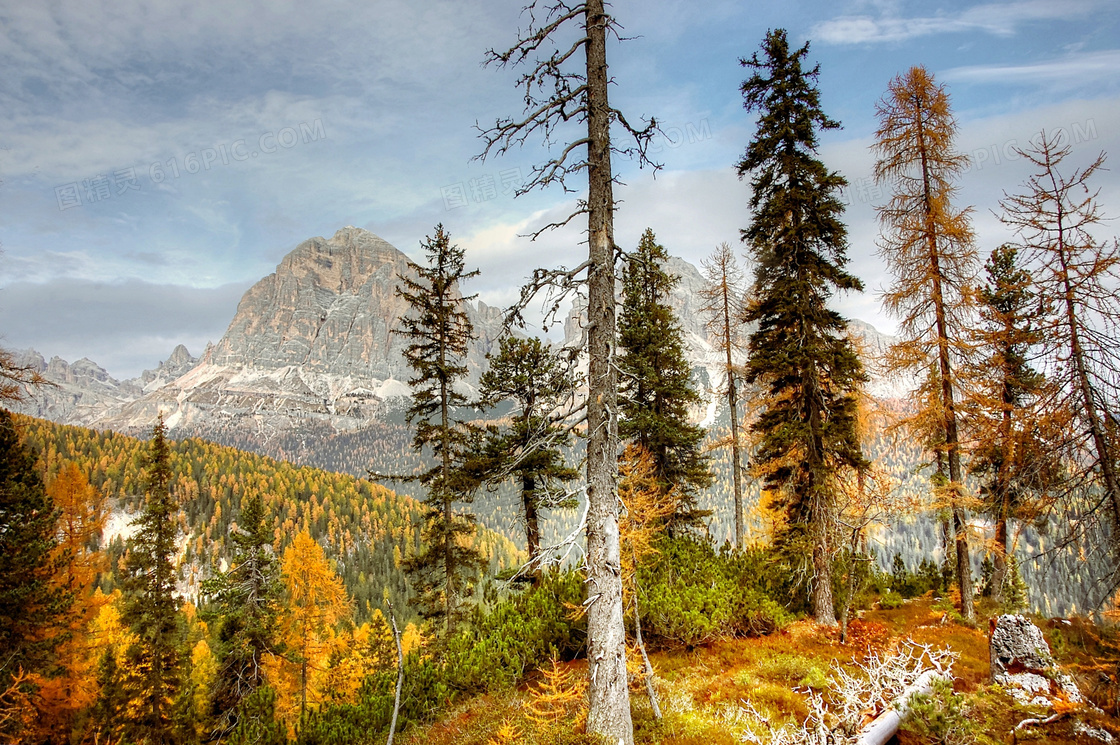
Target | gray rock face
(314,341)
(1022,663)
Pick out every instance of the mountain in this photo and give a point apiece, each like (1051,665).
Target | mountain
(84,393)
(310,348)
(310,369)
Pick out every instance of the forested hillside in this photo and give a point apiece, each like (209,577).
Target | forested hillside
(364,527)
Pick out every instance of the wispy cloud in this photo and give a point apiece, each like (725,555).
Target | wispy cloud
(1076,68)
(999,19)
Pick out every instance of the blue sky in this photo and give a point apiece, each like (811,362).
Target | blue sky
(158,157)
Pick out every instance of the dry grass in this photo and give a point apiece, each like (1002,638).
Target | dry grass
(704,692)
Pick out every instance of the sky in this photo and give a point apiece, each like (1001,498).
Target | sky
(158,157)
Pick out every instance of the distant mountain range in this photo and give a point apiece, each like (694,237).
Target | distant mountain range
(311,351)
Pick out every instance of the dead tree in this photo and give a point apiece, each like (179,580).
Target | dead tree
(723,306)
(564,54)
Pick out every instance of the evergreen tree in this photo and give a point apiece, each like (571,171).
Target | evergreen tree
(799,353)
(150,606)
(655,392)
(439,330)
(928,246)
(30,603)
(536,380)
(246,598)
(1014,456)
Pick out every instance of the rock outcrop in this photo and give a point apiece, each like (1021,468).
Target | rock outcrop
(1022,663)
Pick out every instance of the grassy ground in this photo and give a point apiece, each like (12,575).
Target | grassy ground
(708,693)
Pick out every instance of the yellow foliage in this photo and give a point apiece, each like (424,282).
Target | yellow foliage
(315,602)
(647,506)
(411,638)
(552,696)
(508,734)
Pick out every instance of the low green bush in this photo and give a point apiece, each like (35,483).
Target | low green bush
(692,594)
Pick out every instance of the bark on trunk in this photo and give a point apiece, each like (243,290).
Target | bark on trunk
(532,520)
(952,440)
(608,697)
(400,676)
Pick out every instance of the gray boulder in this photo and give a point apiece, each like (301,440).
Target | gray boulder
(1023,665)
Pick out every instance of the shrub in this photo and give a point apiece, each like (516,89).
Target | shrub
(692,594)
(890,600)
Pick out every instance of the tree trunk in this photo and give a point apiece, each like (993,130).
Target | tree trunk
(608,697)
(400,676)
(732,407)
(999,559)
(952,440)
(532,519)
(650,690)
(823,607)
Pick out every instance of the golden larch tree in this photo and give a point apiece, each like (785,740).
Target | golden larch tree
(928,246)
(315,602)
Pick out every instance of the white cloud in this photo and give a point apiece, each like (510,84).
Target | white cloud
(1000,19)
(1076,69)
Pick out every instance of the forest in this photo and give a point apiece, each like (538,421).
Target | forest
(160,591)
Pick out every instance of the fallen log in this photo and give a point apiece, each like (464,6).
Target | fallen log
(884,726)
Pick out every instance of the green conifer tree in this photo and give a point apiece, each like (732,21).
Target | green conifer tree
(246,598)
(150,608)
(799,353)
(655,391)
(536,380)
(1015,455)
(439,330)
(29,603)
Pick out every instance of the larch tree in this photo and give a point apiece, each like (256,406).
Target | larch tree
(81,516)
(1056,218)
(1014,454)
(799,353)
(928,247)
(439,331)
(541,387)
(723,307)
(564,51)
(656,392)
(314,601)
(648,506)
(150,608)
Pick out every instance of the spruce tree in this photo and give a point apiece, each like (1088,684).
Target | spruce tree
(655,391)
(1015,452)
(799,353)
(246,597)
(150,606)
(439,330)
(30,604)
(536,380)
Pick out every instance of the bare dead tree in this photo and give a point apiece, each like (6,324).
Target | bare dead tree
(400,673)
(1055,218)
(723,306)
(563,50)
